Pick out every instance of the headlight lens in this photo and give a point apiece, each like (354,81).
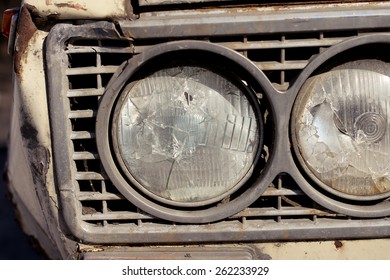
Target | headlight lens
(186,135)
(341,130)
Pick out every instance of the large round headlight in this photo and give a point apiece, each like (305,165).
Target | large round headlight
(341,132)
(179,131)
(186,135)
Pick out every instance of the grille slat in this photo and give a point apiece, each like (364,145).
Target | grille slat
(116,216)
(85,92)
(80,114)
(90,196)
(247,44)
(279,66)
(71,49)
(91,70)
(271,191)
(282,44)
(285,211)
(82,135)
(85,155)
(253,213)
(89,176)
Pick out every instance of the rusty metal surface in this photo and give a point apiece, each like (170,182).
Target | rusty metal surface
(26,30)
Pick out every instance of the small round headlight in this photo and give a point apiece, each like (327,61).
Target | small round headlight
(186,135)
(341,131)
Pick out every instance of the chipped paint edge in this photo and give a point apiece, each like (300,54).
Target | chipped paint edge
(82,9)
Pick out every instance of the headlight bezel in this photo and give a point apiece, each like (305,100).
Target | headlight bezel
(182,63)
(304,97)
(346,51)
(196,213)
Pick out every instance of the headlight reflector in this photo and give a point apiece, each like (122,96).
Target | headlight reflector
(341,134)
(186,135)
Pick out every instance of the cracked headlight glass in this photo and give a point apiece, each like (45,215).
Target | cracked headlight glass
(341,125)
(186,135)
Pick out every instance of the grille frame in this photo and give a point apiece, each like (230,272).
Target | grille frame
(273,224)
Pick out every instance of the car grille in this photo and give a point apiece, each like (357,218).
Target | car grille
(87,65)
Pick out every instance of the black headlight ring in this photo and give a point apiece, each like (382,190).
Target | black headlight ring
(379,206)
(104,118)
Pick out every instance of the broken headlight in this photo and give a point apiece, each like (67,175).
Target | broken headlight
(185,135)
(180,131)
(341,132)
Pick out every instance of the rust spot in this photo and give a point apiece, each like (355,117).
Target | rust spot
(26,30)
(188,256)
(88,210)
(338,244)
(77,7)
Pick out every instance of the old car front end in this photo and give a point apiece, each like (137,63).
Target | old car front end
(204,129)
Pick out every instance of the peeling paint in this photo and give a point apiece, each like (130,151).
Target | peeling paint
(71,6)
(83,9)
(39,155)
(82,248)
(338,244)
